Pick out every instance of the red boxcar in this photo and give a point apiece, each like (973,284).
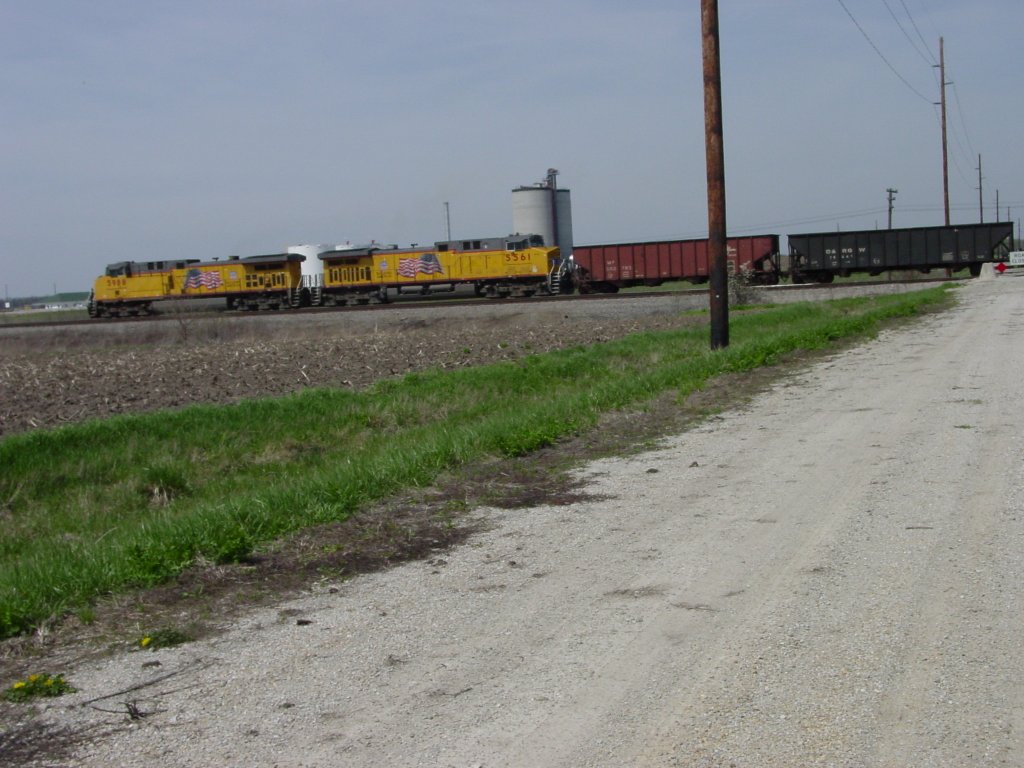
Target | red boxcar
(606,268)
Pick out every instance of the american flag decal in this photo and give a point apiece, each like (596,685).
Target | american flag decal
(425,264)
(196,278)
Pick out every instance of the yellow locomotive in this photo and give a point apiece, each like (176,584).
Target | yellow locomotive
(517,265)
(129,288)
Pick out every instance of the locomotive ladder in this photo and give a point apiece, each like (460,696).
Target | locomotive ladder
(555,279)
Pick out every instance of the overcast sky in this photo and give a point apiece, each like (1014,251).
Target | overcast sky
(144,129)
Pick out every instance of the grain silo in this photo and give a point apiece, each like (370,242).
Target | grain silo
(544,209)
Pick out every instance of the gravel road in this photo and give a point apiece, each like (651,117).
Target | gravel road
(828,576)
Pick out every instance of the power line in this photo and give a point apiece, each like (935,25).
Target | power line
(919,35)
(931,21)
(973,206)
(775,226)
(963,122)
(906,34)
(882,55)
(956,164)
(808,220)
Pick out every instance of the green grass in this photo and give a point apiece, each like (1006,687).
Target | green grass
(43,316)
(98,508)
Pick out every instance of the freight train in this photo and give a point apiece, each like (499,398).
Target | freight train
(522,265)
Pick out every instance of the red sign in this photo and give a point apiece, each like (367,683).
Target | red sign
(1000,267)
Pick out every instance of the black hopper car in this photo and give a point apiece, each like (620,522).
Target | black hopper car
(821,257)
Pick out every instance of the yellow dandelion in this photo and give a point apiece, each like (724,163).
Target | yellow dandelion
(49,681)
(144,642)
(19,684)
(33,678)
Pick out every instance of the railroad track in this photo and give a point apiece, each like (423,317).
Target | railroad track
(435,301)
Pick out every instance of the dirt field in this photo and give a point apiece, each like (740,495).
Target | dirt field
(50,377)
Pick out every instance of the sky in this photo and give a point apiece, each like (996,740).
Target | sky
(145,129)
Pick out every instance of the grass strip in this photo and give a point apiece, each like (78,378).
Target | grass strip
(131,501)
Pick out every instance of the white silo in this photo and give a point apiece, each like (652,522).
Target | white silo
(545,210)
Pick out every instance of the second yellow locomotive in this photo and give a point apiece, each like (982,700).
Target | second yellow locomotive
(517,265)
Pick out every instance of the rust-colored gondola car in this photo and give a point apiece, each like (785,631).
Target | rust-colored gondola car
(607,268)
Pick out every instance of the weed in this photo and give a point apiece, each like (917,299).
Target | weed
(38,686)
(86,614)
(164,638)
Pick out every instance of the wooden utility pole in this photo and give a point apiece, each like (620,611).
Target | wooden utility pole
(892,196)
(945,151)
(981,195)
(719,289)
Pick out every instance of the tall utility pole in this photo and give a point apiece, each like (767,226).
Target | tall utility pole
(997,206)
(945,152)
(713,144)
(981,195)
(448,221)
(892,196)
